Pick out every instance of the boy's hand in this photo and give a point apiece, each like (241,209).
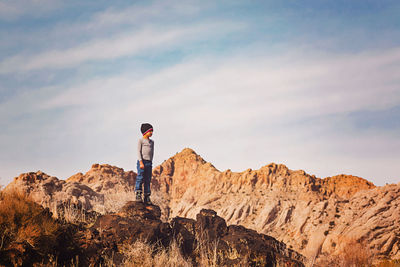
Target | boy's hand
(141,165)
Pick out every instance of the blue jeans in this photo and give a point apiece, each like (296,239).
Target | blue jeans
(144,177)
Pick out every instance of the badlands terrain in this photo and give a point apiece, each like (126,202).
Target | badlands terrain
(318,218)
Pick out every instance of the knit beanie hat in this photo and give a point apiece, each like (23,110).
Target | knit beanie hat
(145,128)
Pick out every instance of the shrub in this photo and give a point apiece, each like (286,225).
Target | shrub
(28,233)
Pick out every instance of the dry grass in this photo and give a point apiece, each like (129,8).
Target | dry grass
(206,250)
(29,236)
(23,224)
(69,213)
(52,262)
(73,214)
(354,253)
(389,263)
(21,219)
(113,202)
(143,254)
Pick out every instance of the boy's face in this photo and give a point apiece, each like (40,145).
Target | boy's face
(149,134)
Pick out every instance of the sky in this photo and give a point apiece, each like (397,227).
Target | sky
(314,85)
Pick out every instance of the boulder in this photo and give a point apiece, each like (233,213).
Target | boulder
(137,221)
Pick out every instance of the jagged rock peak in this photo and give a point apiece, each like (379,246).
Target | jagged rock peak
(346,185)
(188,167)
(351,180)
(105,177)
(276,168)
(31,177)
(188,154)
(98,166)
(105,169)
(98,171)
(188,157)
(187,151)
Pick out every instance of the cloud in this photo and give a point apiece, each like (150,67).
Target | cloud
(153,12)
(93,50)
(126,44)
(11,10)
(237,112)
(238,103)
(240,112)
(104,21)
(275,88)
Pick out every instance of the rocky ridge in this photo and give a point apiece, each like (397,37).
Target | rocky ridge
(32,237)
(314,216)
(104,188)
(49,191)
(106,179)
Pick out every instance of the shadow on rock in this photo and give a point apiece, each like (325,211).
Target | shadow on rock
(209,232)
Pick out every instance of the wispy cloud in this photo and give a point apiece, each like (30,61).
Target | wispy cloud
(281,104)
(93,50)
(143,14)
(12,10)
(215,81)
(127,44)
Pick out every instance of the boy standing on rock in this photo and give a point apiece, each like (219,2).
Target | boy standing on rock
(144,163)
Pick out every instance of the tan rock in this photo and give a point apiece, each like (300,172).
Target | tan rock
(316,217)
(51,192)
(106,178)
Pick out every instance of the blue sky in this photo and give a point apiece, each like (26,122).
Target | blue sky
(314,85)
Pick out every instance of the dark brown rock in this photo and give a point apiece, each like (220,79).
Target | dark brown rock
(138,221)
(141,210)
(207,221)
(184,232)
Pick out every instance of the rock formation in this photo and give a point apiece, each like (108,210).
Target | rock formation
(316,217)
(106,179)
(50,192)
(103,189)
(30,236)
(234,243)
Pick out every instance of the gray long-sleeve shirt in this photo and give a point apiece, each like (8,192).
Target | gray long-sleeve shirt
(145,149)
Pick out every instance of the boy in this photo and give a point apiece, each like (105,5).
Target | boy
(144,163)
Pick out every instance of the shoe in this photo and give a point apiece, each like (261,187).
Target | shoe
(138,196)
(147,200)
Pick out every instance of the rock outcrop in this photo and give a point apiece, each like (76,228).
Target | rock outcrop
(103,189)
(233,243)
(316,217)
(32,237)
(51,192)
(313,216)
(106,179)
